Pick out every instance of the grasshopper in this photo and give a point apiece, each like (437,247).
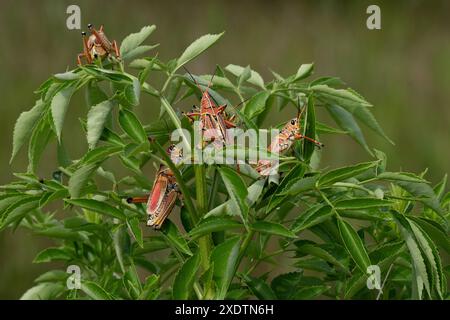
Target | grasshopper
(213,119)
(284,141)
(97,46)
(164,193)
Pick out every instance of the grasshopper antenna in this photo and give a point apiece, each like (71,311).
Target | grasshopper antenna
(300,110)
(193,79)
(212,78)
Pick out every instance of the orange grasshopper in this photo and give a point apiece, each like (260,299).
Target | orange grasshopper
(97,46)
(284,141)
(164,192)
(213,119)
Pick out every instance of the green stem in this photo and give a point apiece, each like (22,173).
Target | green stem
(214,186)
(248,238)
(202,206)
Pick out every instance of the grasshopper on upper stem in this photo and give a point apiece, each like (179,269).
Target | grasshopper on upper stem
(164,193)
(97,46)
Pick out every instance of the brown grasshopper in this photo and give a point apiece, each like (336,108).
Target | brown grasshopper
(213,119)
(284,141)
(97,46)
(164,193)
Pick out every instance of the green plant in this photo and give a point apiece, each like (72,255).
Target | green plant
(317,230)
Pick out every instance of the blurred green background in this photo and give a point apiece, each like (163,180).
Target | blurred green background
(403,69)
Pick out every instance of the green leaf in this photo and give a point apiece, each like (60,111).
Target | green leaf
(424,193)
(96,120)
(67,76)
(213,225)
(122,243)
(99,154)
(80,178)
(295,174)
(225,257)
(322,128)
(434,231)
(59,232)
(131,93)
(135,229)
(139,51)
(310,292)
(259,288)
(345,98)
(256,104)
(17,210)
(354,245)
(52,254)
(39,140)
(272,228)
(174,238)
(134,40)
(254,192)
(95,291)
(52,276)
(237,190)
(420,276)
(312,217)
(151,289)
(400,176)
(431,255)
(346,122)
(310,130)
(24,126)
(316,250)
(59,106)
(94,95)
(132,126)
(97,206)
(245,75)
(300,186)
(288,285)
(344,173)
(255,78)
(383,256)
(184,280)
(366,117)
(196,48)
(43,291)
(304,71)
(361,203)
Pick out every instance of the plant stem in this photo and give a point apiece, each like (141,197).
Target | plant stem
(248,238)
(202,206)
(212,195)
